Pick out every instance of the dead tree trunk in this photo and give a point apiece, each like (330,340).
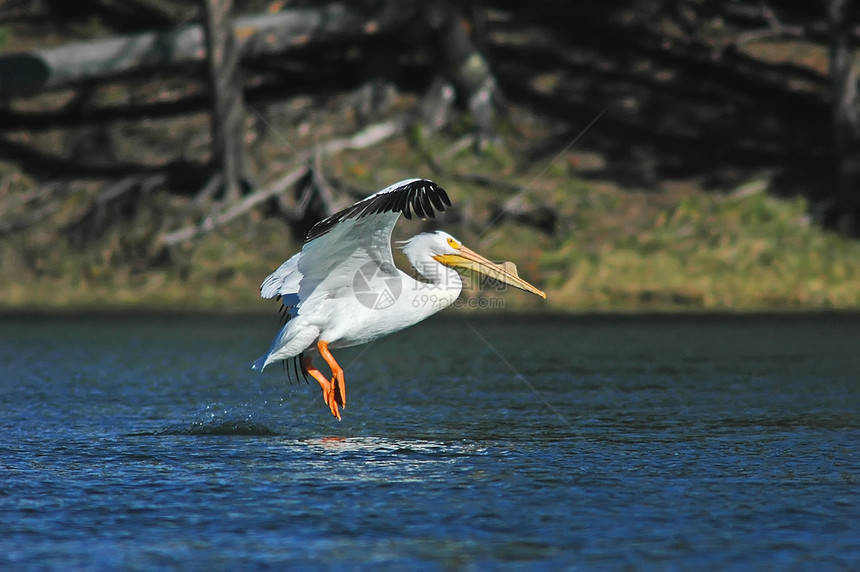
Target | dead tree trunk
(845,121)
(225,86)
(464,65)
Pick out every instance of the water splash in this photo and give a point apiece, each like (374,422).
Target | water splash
(217,419)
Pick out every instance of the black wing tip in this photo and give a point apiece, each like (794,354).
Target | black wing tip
(422,197)
(444,196)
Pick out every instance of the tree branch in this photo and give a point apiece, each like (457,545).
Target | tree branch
(372,135)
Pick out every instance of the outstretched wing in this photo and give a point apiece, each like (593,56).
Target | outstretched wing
(339,245)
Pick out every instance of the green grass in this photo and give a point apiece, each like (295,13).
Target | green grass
(741,251)
(675,248)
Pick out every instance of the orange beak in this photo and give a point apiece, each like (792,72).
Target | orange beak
(473,261)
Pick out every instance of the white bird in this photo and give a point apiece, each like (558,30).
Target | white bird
(343,289)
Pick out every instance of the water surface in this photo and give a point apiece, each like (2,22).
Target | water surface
(508,442)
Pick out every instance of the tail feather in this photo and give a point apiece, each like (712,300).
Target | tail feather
(291,342)
(260,363)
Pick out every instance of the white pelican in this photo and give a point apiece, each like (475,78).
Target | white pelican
(343,289)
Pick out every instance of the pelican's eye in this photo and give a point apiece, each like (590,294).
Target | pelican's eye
(453,243)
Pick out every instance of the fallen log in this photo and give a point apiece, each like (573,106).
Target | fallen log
(214,221)
(256,36)
(368,137)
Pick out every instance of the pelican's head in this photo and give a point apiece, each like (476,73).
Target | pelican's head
(445,249)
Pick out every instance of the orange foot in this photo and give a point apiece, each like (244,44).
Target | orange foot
(327,386)
(334,391)
(336,372)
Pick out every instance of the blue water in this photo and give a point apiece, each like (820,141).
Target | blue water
(468,443)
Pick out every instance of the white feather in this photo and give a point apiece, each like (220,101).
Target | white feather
(318,282)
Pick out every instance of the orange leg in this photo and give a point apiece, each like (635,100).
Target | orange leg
(326,385)
(337,379)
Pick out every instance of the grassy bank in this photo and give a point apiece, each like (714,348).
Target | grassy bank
(672,248)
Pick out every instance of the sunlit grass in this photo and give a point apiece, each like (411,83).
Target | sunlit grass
(736,251)
(677,247)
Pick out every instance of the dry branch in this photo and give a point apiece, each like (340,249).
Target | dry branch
(92,217)
(35,213)
(33,195)
(371,135)
(247,203)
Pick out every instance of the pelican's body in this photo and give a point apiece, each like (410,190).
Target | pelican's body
(317,316)
(343,289)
